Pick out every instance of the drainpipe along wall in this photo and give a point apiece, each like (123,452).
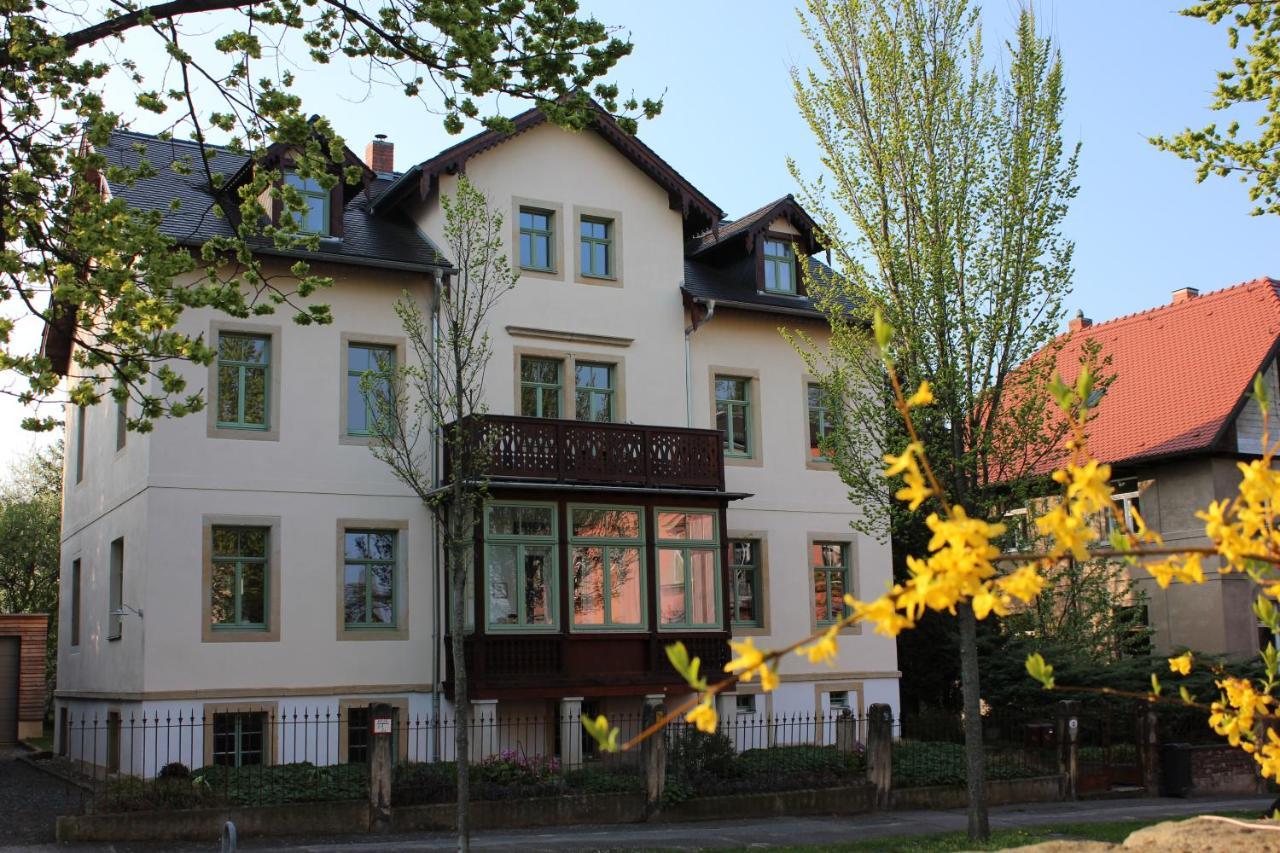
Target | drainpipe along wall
(695,322)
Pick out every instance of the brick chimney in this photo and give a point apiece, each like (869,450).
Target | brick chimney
(380,155)
(1079,322)
(1182,294)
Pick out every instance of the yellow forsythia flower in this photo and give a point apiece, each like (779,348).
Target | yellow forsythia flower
(822,650)
(922,397)
(1024,584)
(1181,664)
(748,659)
(704,716)
(769,680)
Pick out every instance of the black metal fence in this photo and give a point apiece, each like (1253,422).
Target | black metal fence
(928,749)
(756,752)
(248,756)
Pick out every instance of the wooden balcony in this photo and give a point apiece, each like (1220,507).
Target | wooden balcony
(589,453)
(549,665)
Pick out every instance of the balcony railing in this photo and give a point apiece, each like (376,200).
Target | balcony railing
(544,449)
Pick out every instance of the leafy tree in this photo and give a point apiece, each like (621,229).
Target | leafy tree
(30,541)
(1252,83)
(89,266)
(440,393)
(945,187)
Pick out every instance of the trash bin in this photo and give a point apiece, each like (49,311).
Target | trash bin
(1175,769)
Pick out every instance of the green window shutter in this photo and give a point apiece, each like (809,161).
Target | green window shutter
(540,387)
(733,415)
(240,575)
(596,247)
(537,240)
(244,381)
(593,392)
(379,364)
(369,578)
(830,565)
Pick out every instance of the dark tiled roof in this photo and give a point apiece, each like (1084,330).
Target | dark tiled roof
(734,285)
(388,240)
(757,219)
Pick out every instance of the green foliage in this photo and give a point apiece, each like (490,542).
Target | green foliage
(704,765)
(920,764)
(88,265)
(1251,83)
(942,201)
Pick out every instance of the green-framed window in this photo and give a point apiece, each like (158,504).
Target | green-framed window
(520,566)
(363,407)
(821,419)
(358,735)
(537,240)
(240,739)
(239,577)
(244,380)
(733,414)
(744,565)
(314,218)
(830,563)
(688,569)
(607,559)
(596,242)
(779,267)
(593,391)
(369,578)
(540,386)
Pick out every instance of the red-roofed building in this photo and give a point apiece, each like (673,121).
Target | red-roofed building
(1173,424)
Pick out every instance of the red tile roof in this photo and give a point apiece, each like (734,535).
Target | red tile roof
(1180,370)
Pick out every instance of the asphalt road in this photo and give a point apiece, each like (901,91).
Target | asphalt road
(762,833)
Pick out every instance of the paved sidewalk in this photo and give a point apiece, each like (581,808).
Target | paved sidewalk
(711,834)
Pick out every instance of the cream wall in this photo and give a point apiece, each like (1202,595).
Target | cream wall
(793,503)
(158,491)
(1215,617)
(562,170)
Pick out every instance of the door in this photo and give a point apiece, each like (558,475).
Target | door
(8,689)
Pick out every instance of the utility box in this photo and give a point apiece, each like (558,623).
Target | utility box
(1175,769)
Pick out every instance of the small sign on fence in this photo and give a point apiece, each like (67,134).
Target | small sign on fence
(382,726)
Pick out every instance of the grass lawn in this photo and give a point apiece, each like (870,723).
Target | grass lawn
(1001,839)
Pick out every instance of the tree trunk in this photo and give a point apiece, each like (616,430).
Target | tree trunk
(974,760)
(459,556)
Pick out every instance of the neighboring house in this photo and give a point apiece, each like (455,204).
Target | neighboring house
(1173,425)
(259,559)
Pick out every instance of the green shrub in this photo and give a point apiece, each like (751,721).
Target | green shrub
(919,764)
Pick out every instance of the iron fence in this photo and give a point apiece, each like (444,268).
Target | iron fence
(928,749)
(249,756)
(757,752)
(242,755)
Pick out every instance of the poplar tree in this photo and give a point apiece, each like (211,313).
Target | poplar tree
(943,188)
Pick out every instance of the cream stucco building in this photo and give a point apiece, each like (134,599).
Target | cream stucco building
(257,559)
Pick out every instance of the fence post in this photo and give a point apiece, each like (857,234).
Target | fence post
(880,752)
(571,732)
(1068,746)
(653,754)
(380,762)
(1149,749)
(846,732)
